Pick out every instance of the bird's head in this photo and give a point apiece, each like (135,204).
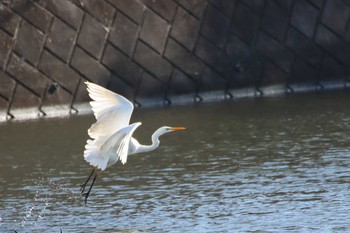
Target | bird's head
(168,129)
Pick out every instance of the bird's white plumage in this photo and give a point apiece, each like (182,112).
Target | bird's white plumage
(112,112)
(111,134)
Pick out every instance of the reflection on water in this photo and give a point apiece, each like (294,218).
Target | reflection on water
(265,165)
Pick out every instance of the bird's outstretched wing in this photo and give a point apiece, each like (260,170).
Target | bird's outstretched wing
(112,111)
(115,148)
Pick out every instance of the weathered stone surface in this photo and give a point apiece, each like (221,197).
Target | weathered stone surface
(101,10)
(333,44)
(58,44)
(153,48)
(196,7)
(275,20)
(272,75)
(165,8)
(65,10)
(185,28)
(275,51)
(336,15)
(154,31)
(183,59)
(304,47)
(151,87)
(92,36)
(7,86)
(181,84)
(214,57)
(224,6)
(132,8)
(215,26)
(5,48)
(9,21)
(302,73)
(59,71)
(305,17)
(152,62)
(245,23)
(89,67)
(34,13)
(27,75)
(121,65)
(124,34)
(23,98)
(29,43)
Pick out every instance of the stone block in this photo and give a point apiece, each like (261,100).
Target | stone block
(224,6)
(58,44)
(183,59)
(65,10)
(317,3)
(214,57)
(92,36)
(154,31)
(124,33)
(24,98)
(305,17)
(185,28)
(89,67)
(59,71)
(275,20)
(273,75)
(165,8)
(27,75)
(153,62)
(336,15)
(34,13)
(212,80)
(132,8)
(304,47)
(275,51)
(101,10)
(215,26)
(29,49)
(257,5)
(7,85)
(122,65)
(5,48)
(119,86)
(8,20)
(302,73)
(333,44)
(151,87)
(287,4)
(332,70)
(245,23)
(180,83)
(196,7)
(244,59)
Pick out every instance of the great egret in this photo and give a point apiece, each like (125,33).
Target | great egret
(111,133)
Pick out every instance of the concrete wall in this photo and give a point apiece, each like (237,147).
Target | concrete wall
(162,48)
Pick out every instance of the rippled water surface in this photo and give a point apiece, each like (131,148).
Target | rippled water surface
(263,165)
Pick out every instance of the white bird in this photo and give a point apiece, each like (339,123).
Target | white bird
(111,133)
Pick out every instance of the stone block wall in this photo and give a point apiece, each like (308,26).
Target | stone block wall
(159,49)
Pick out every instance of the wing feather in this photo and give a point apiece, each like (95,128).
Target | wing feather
(112,111)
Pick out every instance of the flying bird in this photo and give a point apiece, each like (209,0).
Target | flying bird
(111,135)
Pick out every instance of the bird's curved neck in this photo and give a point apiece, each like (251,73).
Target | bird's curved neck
(153,146)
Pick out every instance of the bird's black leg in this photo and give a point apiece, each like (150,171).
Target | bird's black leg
(82,188)
(88,192)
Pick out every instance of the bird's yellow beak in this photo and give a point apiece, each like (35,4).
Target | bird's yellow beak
(177,128)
